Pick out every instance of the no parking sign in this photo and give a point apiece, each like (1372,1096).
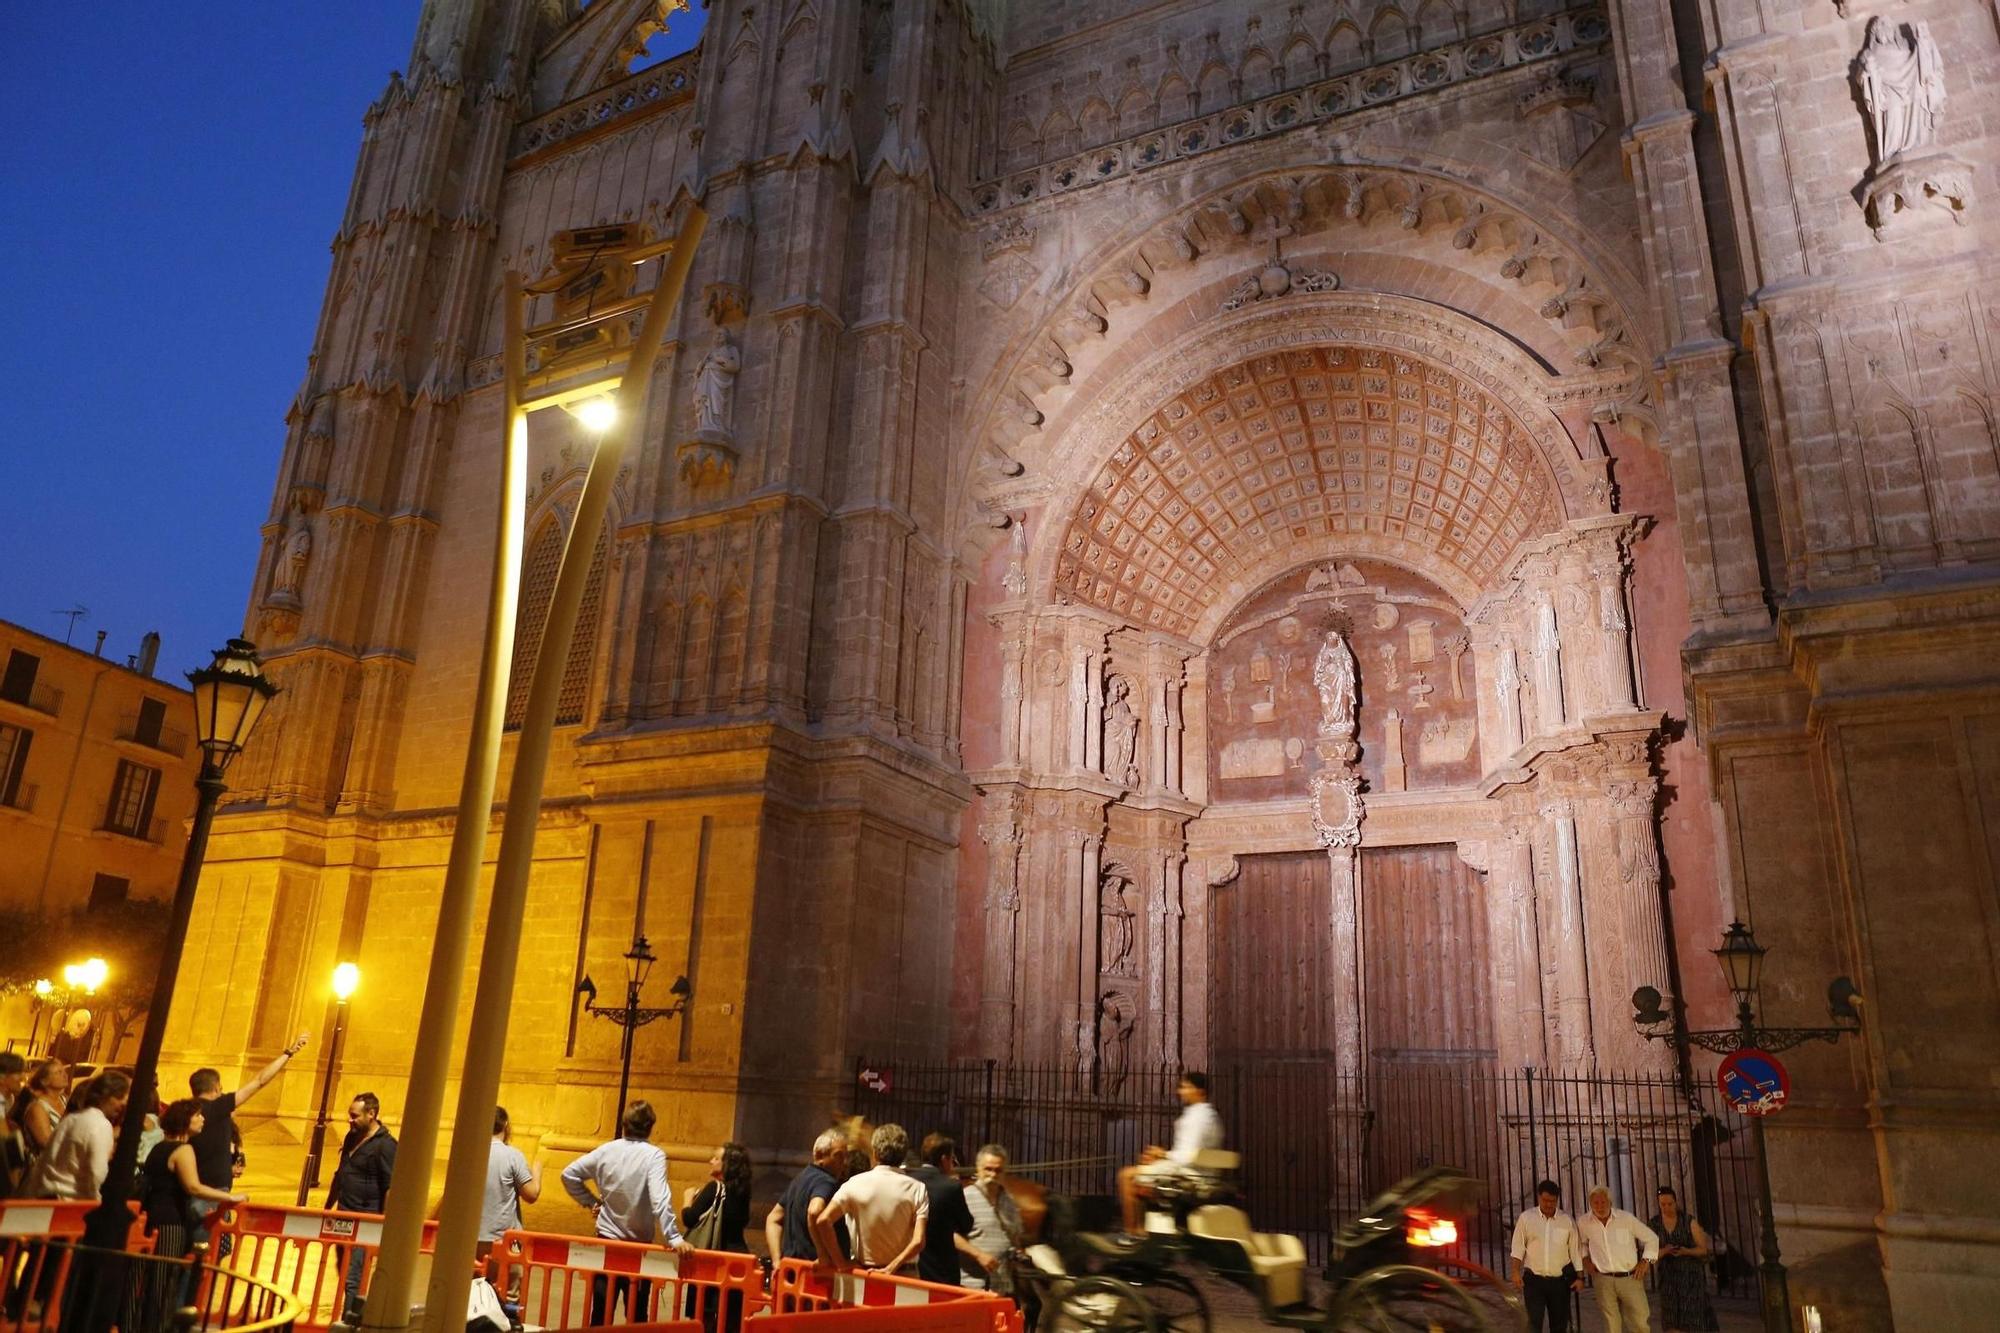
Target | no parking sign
(1754,1082)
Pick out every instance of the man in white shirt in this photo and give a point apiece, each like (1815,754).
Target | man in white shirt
(631,1203)
(1548,1265)
(1198,1128)
(887,1210)
(1618,1249)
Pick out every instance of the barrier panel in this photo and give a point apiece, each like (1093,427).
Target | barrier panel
(962,1317)
(800,1289)
(308,1252)
(576,1281)
(33,1273)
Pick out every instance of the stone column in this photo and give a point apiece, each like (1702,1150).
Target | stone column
(1642,918)
(1090,853)
(1000,830)
(1560,889)
(1344,995)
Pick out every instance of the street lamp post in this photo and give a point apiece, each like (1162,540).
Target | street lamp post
(631,1016)
(230,694)
(346,978)
(1742,961)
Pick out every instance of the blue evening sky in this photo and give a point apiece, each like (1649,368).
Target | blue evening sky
(169,183)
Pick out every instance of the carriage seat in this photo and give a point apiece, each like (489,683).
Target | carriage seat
(1277,1261)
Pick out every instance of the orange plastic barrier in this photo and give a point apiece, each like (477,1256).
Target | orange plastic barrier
(800,1291)
(960,1317)
(306,1251)
(33,1276)
(558,1278)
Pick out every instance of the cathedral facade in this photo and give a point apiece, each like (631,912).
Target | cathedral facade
(1465,499)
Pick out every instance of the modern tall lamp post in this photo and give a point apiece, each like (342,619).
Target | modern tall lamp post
(1742,960)
(346,978)
(639,960)
(230,694)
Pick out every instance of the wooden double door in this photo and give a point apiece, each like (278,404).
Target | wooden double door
(1425,1001)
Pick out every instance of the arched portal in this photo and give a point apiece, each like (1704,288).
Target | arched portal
(1339,624)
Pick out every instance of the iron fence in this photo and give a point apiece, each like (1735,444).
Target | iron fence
(1317,1146)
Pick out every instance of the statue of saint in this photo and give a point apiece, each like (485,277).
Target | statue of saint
(1902,86)
(1114,927)
(1121,733)
(298,554)
(714,384)
(1333,676)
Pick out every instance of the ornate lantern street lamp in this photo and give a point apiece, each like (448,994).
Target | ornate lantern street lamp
(1742,962)
(639,960)
(230,694)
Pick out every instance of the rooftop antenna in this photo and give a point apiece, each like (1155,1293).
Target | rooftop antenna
(75,613)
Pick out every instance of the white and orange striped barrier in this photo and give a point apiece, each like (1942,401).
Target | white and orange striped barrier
(305,1251)
(566,1282)
(800,1292)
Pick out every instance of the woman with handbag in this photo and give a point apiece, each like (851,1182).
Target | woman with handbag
(714,1216)
(169,1183)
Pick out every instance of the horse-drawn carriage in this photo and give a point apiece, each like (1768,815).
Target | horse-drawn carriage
(1389,1270)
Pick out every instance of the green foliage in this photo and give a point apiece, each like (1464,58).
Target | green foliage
(128,937)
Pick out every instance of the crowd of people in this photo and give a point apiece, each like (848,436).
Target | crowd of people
(865,1206)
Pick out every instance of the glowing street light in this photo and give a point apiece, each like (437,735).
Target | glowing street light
(346,980)
(598,413)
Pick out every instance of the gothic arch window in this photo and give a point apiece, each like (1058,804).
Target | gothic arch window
(538,584)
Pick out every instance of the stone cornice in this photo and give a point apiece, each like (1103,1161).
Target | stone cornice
(1425,72)
(646,93)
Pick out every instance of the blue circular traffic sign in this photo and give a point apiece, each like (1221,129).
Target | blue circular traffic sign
(1754,1082)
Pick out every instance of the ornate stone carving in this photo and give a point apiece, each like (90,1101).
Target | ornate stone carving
(1116,955)
(1121,733)
(1015,580)
(291,572)
(1337,808)
(709,453)
(1901,77)
(1276,279)
(1333,677)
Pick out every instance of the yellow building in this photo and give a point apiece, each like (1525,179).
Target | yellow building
(96,782)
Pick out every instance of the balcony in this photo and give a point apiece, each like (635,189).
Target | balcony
(23,799)
(38,697)
(166,740)
(153,831)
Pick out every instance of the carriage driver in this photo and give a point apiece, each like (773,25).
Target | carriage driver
(1198,1128)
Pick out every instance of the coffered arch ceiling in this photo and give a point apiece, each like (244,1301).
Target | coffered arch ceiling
(1300,452)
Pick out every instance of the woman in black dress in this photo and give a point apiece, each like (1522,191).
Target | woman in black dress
(168,1182)
(1684,1255)
(714,1217)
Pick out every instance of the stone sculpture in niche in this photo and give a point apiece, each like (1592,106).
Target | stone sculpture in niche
(291,574)
(1333,676)
(1114,1037)
(714,388)
(1901,78)
(1121,733)
(709,454)
(1116,955)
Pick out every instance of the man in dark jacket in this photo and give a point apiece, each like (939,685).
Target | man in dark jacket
(361,1182)
(950,1220)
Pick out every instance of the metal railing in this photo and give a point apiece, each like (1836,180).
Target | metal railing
(151,830)
(22,798)
(42,698)
(167,740)
(1317,1146)
(58,1286)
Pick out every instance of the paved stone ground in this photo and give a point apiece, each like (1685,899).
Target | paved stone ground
(1234,1311)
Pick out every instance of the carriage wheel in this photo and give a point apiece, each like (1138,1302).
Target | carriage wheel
(1099,1304)
(1402,1298)
(1178,1305)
